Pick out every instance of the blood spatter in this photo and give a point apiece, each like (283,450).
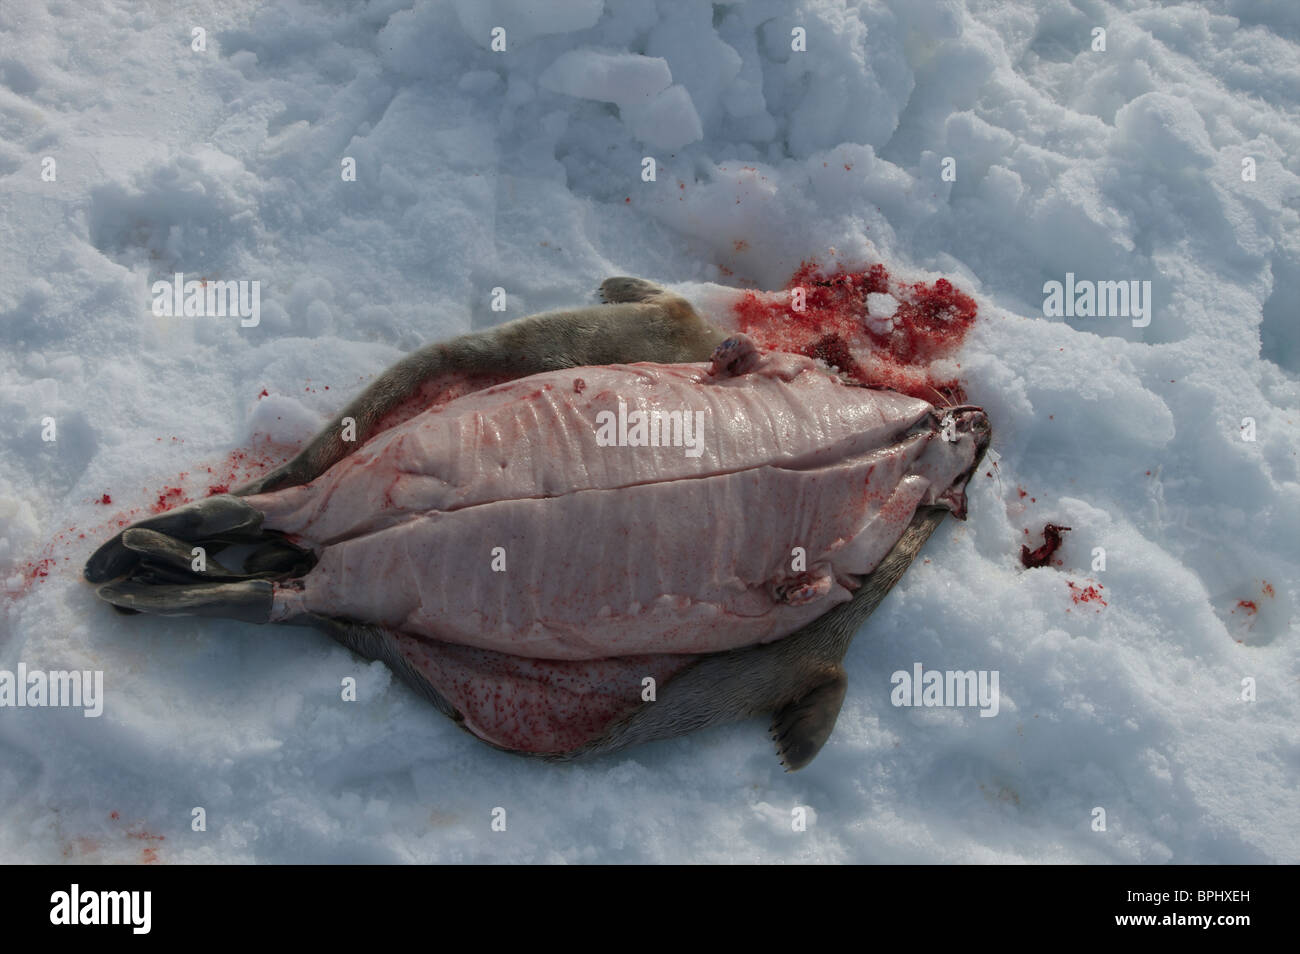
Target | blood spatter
(37,570)
(1087,594)
(1042,556)
(239,467)
(105,499)
(169,498)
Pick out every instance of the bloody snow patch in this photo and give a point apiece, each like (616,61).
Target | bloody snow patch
(1087,594)
(21,579)
(930,322)
(1042,556)
(37,570)
(148,852)
(169,498)
(238,468)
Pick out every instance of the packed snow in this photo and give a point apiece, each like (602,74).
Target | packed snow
(1148,709)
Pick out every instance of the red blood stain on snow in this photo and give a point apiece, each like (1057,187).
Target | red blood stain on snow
(1042,556)
(1249,606)
(833,350)
(1268,588)
(238,467)
(740,245)
(1087,594)
(169,498)
(32,572)
(148,854)
(79,846)
(931,322)
(40,569)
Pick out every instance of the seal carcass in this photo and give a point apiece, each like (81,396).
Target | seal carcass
(583,558)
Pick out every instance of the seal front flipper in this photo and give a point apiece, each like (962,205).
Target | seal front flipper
(802,727)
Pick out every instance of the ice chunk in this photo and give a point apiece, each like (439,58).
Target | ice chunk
(627,79)
(668,121)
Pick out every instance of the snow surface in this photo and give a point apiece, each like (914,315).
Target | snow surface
(523,169)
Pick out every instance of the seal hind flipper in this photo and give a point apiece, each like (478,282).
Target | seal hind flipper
(247,600)
(802,727)
(273,558)
(219,517)
(158,548)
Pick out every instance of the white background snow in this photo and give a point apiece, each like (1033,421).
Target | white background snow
(522,169)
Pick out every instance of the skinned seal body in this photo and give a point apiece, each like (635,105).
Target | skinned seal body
(800,485)
(532,554)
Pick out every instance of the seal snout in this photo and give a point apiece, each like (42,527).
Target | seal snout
(956,423)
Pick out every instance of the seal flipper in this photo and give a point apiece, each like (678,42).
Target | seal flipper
(802,727)
(150,563)
(247,600)
(220,517)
